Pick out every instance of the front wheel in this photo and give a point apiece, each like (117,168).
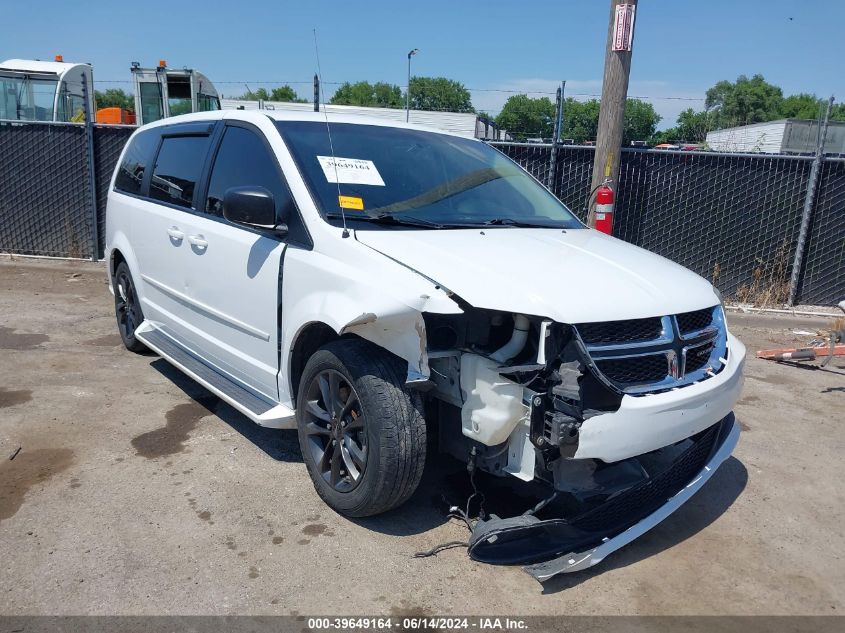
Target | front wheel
(127,309)
(361,431)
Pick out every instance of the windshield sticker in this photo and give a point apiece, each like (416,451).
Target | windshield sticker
(350,171)
(351,202)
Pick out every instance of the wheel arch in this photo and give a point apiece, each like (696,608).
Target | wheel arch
(115,260)
(315,334)
(310,337)
(120,250)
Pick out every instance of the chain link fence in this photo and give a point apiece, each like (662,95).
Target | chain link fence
(823,278)
(108,143)
(45,203)
(732,218)
(45,187)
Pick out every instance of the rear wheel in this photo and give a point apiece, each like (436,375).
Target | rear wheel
(361,432)
(127,309)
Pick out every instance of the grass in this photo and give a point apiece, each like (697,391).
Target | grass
(769,286)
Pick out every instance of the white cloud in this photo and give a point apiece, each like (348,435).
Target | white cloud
(669,101)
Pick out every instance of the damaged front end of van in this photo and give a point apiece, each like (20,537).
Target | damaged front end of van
(625,419)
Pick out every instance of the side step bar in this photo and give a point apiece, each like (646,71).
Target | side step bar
(257,408)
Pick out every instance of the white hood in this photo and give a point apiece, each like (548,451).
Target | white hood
(572,276)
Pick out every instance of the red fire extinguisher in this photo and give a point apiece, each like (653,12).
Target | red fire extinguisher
(604,209)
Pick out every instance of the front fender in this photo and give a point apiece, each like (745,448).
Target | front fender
(376,299)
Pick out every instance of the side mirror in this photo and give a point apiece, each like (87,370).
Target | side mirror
(252,206)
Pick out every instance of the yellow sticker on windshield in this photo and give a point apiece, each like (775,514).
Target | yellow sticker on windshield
(351,202)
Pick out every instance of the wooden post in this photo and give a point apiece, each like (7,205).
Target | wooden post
(614,93)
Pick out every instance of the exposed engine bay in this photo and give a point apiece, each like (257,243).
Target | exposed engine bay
(507,374)
(512,394)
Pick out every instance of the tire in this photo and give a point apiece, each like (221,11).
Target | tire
(127,309)
(375,416)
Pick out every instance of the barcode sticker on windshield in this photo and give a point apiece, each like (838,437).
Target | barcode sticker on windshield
(350,171)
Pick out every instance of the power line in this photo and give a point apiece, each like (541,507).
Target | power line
(596,95)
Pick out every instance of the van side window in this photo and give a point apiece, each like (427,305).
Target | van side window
(130,174)
(177,169)
(244,160)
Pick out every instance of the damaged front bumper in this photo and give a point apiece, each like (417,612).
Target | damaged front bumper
(590,537)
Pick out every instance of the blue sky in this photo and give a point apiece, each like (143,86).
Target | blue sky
(681,47)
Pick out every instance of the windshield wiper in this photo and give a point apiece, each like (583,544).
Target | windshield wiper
(517,223)
(388,220)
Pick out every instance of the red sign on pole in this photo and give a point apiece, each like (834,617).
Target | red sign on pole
(623,27)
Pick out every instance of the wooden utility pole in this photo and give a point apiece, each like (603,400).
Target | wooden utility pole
(614,93)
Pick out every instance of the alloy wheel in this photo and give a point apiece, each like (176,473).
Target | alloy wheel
(335,430)
(126,305)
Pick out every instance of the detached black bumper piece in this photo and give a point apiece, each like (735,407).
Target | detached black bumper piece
(555,546)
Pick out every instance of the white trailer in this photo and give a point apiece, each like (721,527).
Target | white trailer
(466,124)
(786,136)
(33,90)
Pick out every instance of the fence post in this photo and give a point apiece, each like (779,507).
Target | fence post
(558,130)
(807,213)
(92,177)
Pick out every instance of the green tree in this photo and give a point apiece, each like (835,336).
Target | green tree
(802,106)
(669,135)
(282,93)
(580,119)
(744,101)
(256,95)
(363,93)
(285,93)
(114,98)
(693,126)
(439,93)
(641,121)
(525,117)
(806,106)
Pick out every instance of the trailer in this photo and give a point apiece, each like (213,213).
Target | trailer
(466,124)
(786,136)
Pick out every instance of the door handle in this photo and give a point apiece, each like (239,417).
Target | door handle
(198,240)
(175,233)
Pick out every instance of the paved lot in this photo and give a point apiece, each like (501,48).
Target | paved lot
(137,492)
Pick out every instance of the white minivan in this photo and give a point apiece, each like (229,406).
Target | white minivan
(388,289)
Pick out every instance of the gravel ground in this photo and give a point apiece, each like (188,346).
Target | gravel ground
(135,491)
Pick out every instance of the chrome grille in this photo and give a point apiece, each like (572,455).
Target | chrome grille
(635,370)
(698,357)
(621,331)
(642,356)
(694,321)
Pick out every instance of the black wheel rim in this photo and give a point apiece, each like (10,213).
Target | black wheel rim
(335,430)
(126,306)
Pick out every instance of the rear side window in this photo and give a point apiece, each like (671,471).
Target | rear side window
(130,174)
(178,168)
(244,160)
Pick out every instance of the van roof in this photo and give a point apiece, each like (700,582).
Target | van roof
(295,115)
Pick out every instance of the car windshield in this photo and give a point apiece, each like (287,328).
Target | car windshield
(411,177)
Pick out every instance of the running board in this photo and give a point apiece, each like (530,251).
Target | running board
(257,408)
